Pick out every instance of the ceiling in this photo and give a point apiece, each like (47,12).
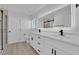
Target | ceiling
(29,9)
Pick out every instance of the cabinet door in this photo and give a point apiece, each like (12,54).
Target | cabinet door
(60,53)
(32,41)
(45,49)
(67,47)
(48,49)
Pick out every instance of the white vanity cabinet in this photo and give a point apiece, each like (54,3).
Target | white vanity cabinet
(61,46)
(35,42)
(32,41)
(48,47)
(51,46)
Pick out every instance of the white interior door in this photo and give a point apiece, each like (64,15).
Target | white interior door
(13,28)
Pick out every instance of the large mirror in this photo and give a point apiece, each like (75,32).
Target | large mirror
(59,18)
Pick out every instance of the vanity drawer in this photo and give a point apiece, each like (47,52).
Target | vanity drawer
(59,52)
(45,50)
(45,45)
(63,46)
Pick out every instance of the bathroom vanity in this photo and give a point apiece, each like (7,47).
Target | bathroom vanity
(51,44)
(57,32)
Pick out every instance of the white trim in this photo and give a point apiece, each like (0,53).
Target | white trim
(73,13)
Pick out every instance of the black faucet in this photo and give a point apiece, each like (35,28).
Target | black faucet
(39,30)
(77,5)
(61,32)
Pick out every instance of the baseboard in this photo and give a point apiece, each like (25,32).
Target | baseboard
(34,49)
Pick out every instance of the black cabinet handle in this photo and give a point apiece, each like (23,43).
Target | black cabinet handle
(52,51)
(32,38)
(55,52)
(38,50)
(24,34)
(39,30)
(38,43)
(38,37)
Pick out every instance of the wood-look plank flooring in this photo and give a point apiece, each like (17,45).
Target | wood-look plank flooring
(19,49)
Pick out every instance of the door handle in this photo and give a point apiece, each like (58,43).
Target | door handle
(9,31)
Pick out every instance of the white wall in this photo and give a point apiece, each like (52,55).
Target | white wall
(18,24)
